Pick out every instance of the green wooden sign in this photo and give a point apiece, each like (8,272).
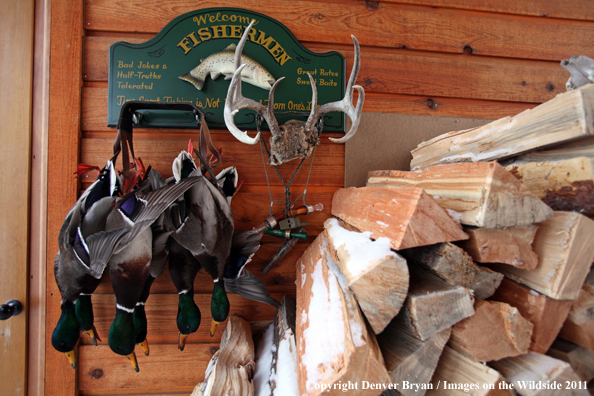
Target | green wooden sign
(195,46)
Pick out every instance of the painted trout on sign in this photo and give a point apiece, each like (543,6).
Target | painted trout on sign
(224,63)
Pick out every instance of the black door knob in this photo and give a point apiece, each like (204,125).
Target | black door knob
(11,308)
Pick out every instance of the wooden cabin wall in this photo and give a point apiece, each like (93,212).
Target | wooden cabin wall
(462,58)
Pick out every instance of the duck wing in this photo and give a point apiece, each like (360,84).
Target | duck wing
(104,244)
(247,285)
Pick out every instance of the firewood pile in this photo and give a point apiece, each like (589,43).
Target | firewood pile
(471,274)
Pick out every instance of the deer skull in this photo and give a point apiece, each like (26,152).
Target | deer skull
(294,139)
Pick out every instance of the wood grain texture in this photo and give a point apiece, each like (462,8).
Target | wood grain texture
(63,148)
(453,265)
(433,305)
(509,245)
(495,331)
(408,358)
(546,314)
(166,370)
(566,9)
(325,302)
(456,368)
(563,184)
(408,216)
(539,368)
(481,194)
(94,110)
(418,28)
(380,284)
(16,84)
(421,73)
(579,358)
(563,244)
(565,118)
(579,326)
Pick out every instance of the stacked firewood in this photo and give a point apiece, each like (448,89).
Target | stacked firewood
(470,274)
(479,254)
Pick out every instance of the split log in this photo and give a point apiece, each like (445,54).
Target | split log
(276,364)
(231,368)
(563,184)
(408,358)
(563,244)
(377,276)
(579,326)
(579,358)
(334,345)
(433,305)
(507,245)
(409,217)
(546,314)
(458,370)
(480,194)
(456,267)
(495,331)
(566,117)
(527,372)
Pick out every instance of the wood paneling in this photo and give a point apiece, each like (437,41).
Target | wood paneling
(382,25)
(63,152)
(16,82)
(426,57)
(417,73)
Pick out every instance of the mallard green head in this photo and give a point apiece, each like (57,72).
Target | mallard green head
(122,336)
(141,327)
(66,333)
(84,315)
(219,305)
(188,317)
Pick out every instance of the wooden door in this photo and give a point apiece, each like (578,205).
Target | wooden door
(16,66)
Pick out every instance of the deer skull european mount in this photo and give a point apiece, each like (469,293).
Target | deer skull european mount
(294,139)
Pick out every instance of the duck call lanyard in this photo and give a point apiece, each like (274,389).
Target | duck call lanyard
(287,185)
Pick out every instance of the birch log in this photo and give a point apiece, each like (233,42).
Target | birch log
(409,217)
(567,117)
(480,194)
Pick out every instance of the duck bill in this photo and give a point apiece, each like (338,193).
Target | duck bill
(181,343)
(145,347)
(71,358)
(132,358)
(92,333)
(213,328)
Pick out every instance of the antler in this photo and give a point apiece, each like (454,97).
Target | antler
(236,101)
(345,105)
